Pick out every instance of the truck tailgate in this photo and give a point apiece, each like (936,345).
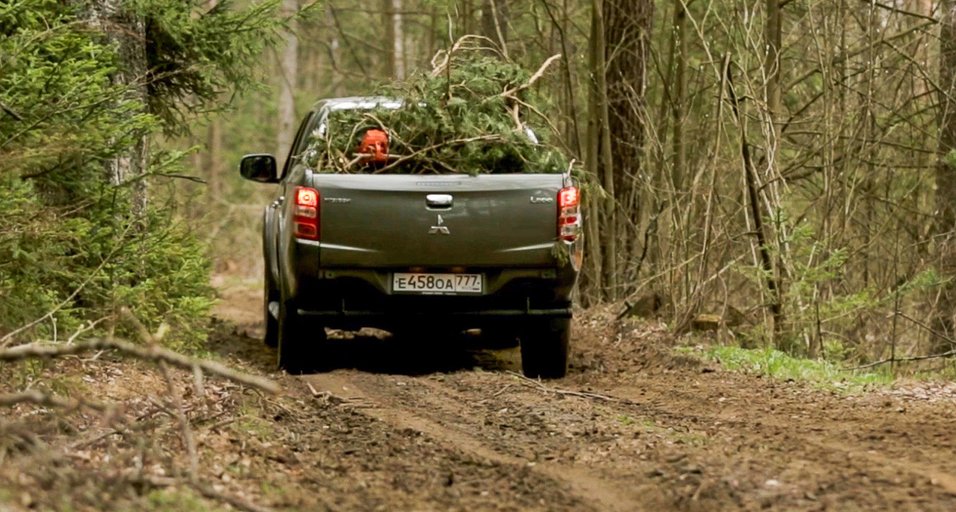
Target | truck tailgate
(437,221)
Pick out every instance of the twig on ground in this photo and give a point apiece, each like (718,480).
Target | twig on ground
(152,353)
(568,392)
(189,441)
(37,397)
(222,423)
(501,391)
(951,353)
(312,389)
(121,429)
(86,327)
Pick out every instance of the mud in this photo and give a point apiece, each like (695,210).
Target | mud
(451,425)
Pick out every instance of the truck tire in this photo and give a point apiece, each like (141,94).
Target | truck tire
(544,348)
(271,294)
(299,341)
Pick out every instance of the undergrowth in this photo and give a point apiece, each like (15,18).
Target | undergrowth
(778,365)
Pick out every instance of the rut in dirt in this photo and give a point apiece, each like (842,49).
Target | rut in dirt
(634,427)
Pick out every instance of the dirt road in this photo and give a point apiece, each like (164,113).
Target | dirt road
(451,425)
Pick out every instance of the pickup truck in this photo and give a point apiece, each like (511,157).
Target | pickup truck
(444,252)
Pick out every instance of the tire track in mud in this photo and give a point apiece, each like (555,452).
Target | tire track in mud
(670,436)
(432,413)
(665,444)
(838,457)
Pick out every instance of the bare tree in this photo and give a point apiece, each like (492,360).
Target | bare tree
(289,72)
(946,174)
(627,29)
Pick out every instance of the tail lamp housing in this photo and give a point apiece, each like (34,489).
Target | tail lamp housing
(305,214)
(569,214)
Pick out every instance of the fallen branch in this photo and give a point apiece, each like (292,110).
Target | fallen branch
(951,353)
(568,392)
(152,353)
(125,426)
(36,397)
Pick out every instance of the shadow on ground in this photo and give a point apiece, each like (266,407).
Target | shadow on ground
(377,352)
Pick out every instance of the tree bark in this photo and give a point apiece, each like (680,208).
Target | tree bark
(394,39)
(679,93)
(592,282)
(128,33)
(288,66)
(494,22)
(626,39)
(214,163)
(774,39)
(600,152)
(946,177)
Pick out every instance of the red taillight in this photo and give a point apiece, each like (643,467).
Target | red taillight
(569,214)
(568,197)
(306,213)
(305,196)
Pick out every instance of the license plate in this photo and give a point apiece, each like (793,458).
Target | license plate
(437,284)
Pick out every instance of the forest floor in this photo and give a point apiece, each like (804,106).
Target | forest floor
(392,425)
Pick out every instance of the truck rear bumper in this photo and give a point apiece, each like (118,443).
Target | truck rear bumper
(352,303)
(510,313)
(504,319)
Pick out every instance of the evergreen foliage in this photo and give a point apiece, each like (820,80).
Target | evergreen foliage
(472,113)
(72,253)
(196,53)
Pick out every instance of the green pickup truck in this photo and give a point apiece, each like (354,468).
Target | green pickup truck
(444,252)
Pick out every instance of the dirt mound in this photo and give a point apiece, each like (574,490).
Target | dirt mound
(608,345)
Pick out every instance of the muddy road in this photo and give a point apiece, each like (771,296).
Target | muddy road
(395,424)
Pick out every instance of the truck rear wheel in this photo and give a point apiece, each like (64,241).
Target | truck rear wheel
(545,345)
(299,342)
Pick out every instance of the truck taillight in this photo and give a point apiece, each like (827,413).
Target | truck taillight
(569,214)
(305,216)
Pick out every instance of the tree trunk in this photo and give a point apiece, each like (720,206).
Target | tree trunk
(592,282)
(626,35)
(494,22)
(288,66)
(772,64)
(214,164)
(946,177)
(128,33)
(600,156)
(394,39)
(679,92)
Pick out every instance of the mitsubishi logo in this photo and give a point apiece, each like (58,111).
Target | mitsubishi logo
(440,228)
